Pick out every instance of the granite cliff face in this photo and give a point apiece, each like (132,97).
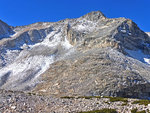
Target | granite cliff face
(90,55)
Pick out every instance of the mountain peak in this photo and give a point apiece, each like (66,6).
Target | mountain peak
(82,56)
(5,30)
(94,16)
(2,21)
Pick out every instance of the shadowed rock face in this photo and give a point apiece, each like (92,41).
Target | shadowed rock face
(90,55)
(5,30)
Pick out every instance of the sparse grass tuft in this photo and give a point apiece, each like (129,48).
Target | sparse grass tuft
(105,110)
(142,102)
(31,93)
(125,104)
(136,111)
(115,99)
(89,97)
(141,111)
(67,97)
(86,97)
(107,103)
(112,99)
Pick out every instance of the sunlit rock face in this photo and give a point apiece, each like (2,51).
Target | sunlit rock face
(148,33)
(90,55)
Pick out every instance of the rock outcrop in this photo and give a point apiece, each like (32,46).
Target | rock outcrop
(5,30)
(148,33)
(90,55)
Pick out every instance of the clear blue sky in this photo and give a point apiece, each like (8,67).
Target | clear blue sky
(23,12)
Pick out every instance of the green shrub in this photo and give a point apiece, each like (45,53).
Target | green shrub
(105,110)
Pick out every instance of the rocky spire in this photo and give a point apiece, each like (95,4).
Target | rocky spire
(94,16)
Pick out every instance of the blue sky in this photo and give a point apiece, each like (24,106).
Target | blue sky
(24,12)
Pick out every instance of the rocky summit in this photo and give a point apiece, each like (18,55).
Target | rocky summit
(88,56)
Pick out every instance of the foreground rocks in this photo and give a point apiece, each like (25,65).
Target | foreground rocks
(16,102)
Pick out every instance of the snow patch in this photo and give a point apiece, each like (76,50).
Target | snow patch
(85,26)
(26,70)
(54,39)
(123,31)
(147,60)
(66,44)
